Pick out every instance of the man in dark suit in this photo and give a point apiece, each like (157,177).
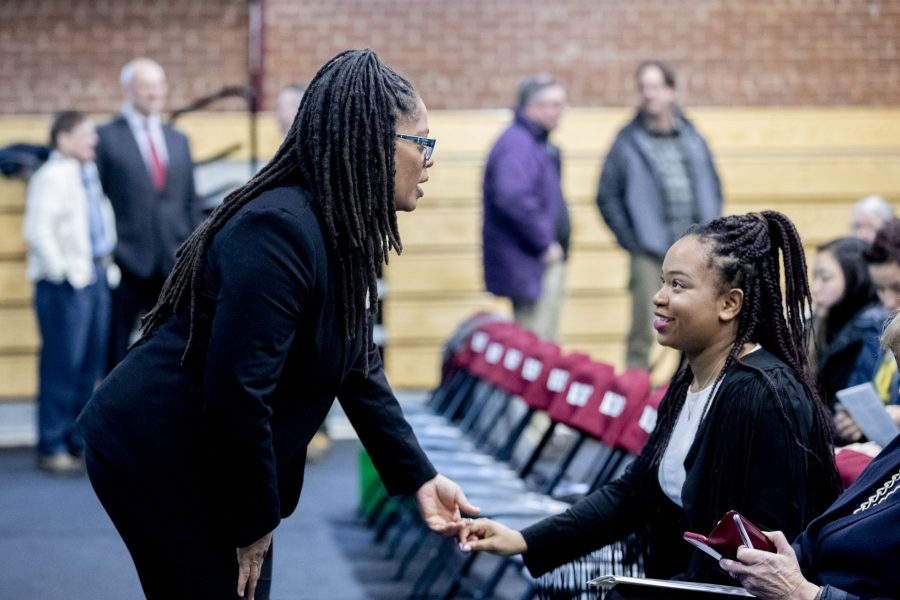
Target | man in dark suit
(147,172)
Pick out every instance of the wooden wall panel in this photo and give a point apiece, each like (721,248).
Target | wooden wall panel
(810,163)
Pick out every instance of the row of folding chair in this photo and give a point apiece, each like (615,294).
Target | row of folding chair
(587,396)
(494,425)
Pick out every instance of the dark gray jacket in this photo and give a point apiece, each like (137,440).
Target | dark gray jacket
(631,195)
(151,225)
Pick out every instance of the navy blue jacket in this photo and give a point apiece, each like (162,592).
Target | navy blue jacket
(229,428)
(858,554)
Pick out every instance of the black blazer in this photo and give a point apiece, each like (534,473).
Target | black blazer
(150,225)
(229,429)
(760,472)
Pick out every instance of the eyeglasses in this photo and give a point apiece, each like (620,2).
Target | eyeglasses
(426,143)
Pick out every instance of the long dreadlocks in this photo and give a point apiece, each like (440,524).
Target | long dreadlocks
(341,148)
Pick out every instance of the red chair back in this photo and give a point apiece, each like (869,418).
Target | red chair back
(553,381)
(488,346)
(641,424)
(577,408)
(539,360)
(509,376)
(629,395)
(462,350)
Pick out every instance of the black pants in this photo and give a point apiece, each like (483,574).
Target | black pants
(174,550)
(133,298)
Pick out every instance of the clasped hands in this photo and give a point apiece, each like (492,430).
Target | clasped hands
(485,535)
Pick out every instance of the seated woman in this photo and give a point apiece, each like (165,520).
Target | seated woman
(848,553)
(848,317)
(741,426)
(883,261)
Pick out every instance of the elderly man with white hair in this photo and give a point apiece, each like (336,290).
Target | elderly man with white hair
(147,172)
(868,215)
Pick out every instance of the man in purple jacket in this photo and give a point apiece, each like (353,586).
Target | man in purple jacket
(526,224)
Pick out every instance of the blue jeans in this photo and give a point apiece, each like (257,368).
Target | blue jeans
(74,326)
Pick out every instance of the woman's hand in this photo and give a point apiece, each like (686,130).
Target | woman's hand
(768,575)
(490,536)
(440,502)
(250,560)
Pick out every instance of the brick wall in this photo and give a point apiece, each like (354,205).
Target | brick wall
(67,53)
(463,53)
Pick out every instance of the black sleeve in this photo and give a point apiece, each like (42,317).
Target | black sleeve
(598,519)
(265,264)
(378,420)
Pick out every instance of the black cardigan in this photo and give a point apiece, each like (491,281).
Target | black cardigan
(756,468)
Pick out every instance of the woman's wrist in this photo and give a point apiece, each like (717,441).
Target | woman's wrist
(521,546)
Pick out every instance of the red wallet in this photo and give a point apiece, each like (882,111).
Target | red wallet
(731,532)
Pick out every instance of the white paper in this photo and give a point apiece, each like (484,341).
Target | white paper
(608,581)
(867,409)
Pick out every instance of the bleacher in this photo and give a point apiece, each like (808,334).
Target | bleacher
(811,164)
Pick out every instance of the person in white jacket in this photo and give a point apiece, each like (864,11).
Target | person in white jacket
(70,231)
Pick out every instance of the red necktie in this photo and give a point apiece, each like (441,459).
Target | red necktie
(157,167)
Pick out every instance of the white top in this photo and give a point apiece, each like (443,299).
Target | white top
(671,469)
(139,124)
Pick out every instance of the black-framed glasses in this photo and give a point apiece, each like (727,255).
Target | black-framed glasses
(427,144)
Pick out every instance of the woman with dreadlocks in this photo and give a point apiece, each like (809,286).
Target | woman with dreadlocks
(741,426)
(196,441)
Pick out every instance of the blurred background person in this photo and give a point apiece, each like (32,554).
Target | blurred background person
(71,232)
(848,317)
(286,106)
(526,227)
(148,174)
(868,215)
(883,260)
(658,179)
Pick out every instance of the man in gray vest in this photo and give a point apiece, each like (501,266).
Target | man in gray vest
(658,179)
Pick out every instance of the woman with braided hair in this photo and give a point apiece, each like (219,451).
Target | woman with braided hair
(196,441)
(740,428)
